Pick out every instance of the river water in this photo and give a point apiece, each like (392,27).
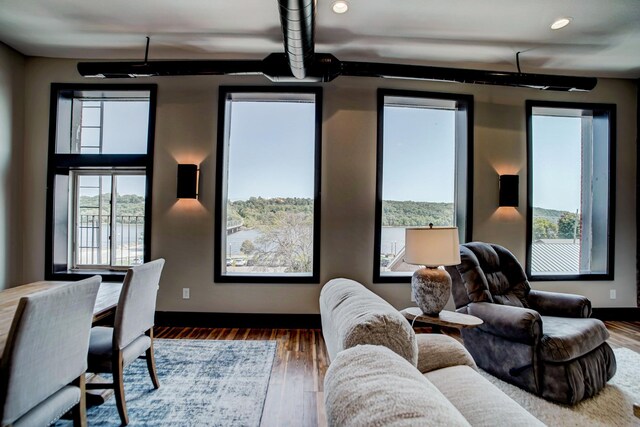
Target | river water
(392,240)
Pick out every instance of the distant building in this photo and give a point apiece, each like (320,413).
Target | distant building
(548,256)
(555,256)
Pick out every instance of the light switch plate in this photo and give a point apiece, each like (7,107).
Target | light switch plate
(185,293)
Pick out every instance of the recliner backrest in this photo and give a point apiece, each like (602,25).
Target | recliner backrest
(488,273)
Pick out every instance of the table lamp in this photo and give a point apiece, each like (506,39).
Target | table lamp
(431,247)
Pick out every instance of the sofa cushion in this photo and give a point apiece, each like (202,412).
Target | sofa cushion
(352,314)
(566,338)
(372,386)
(437,351)
(479,401)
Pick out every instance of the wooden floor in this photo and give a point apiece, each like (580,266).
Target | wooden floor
(295,395)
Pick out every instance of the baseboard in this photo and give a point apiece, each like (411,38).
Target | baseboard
(238,320)
(618,313)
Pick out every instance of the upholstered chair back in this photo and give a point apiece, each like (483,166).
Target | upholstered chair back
(137,304)
(488,273)
(46,348)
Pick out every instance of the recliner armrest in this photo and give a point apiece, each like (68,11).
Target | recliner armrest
(513,323)
(559,304)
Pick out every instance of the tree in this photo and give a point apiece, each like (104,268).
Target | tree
(287,241)
(247,247)
(544,229)
(567,226)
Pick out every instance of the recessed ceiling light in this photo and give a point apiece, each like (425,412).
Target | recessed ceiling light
(340,6)
(560,23)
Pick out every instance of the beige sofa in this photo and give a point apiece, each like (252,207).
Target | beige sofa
(382,373)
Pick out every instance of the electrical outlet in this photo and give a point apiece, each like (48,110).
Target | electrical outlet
(612,294)
(185,293)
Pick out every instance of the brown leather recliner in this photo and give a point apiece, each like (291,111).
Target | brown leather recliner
(543,342)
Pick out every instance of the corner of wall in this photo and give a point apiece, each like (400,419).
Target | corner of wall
(12,123)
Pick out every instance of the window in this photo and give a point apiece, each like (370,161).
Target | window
(108,218)
(571,169)
(424,172)
(99,179)
(268,185)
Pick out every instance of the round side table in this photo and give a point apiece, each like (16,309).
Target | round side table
(450,319)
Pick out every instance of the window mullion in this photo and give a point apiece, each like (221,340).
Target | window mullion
(112,222)
(586,196)
(100,142)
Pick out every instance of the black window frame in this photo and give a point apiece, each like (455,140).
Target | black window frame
(466,103)
(599,110)
(224,93)
(61,164)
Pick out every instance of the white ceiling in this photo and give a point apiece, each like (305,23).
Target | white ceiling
(603,39)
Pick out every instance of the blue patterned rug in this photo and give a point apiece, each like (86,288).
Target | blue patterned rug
(202,383)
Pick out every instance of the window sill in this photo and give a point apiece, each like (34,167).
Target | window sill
(570,277)
(66,275)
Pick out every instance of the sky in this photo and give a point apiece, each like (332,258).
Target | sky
(274,156)
(556,162)
(419,154)
(125,130)
(272,147)
(130,139)
(272,152)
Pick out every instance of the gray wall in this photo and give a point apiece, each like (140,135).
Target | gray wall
(182,231)
(11,143)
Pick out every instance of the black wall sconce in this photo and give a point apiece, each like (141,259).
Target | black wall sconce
(509,194)
(187,182)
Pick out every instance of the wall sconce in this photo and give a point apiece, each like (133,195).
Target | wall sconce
(509,194)
(187,182)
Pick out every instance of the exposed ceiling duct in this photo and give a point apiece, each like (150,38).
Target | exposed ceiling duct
(300,63)
(298,19)
(326,68)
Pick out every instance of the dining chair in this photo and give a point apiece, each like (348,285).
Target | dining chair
(111,349)
(45,357)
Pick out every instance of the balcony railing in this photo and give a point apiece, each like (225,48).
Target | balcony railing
(93,241)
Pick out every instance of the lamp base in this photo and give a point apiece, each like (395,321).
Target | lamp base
(431,288)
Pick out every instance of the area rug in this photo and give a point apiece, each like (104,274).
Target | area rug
(202,383)
(613,406)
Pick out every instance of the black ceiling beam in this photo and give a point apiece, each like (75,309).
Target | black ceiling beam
(326,68)
(465,75)
(115,70)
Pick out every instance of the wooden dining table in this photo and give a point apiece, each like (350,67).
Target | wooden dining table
(106,302)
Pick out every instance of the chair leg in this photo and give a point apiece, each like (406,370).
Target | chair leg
(151,362)
(79,412)
(118,386)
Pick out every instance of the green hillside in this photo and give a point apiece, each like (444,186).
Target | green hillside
(407,213)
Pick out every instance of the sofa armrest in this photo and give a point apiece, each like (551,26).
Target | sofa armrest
(353,315)
(513,323)
(370,385)
(559,304)
(437,351)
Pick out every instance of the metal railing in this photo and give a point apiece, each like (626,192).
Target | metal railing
(94,241)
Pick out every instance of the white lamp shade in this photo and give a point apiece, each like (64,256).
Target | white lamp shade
(432,247)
